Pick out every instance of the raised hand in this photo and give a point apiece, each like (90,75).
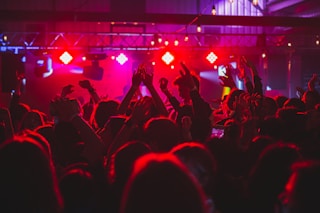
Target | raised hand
(147,80)
(66,90)
(137,79)
(163,84)
(187,75)
(85,84)
(227,80)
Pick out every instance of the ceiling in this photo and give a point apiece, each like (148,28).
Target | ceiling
(108,24)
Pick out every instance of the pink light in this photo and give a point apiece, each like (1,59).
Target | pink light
(167,58)
(176,42)
(211,57)
(113,57)
(66,58)
(122,58)
(153,63)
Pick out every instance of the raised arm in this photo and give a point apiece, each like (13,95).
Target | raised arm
(139,114)
(148,81)
(200,107)
(136,80)
(92,91)
(164,88)
(255,76)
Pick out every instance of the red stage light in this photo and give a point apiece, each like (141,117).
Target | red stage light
(122,58)
(167,58)
(211,57)
(66,58)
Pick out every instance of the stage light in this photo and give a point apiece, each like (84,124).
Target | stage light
(211,57)
(317,42)
(153,63)
(166,43)
(176,42)
(84,58)
(255,2)
(152,43)
(186,38)
(66,58)
(43,67)
(289,44)
(213,11)
(199,29)
(263,55)
(172,67)
(113,57)
(215,67)
(159,40)
(122,58)
(167,58)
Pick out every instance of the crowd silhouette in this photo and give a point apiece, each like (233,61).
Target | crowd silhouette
(138,155)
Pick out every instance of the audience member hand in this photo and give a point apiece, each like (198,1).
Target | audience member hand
(85,84)
(163,84)
(66,90)
(187,74)
(147,80)
(137,79)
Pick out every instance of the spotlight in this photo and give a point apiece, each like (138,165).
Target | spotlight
(167,58)
(263,55)
(172,67)
(213,11)
(255,2)
(152,43)
(166,43)
(122,58)
(211,57)
(186,38)
(199,29)
(176,42)
(66,58)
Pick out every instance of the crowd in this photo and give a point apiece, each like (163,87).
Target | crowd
(139,155)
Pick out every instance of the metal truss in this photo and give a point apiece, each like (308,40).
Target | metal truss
(148,41)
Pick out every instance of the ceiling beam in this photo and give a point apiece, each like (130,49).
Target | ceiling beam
(274,7)
(183,19)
